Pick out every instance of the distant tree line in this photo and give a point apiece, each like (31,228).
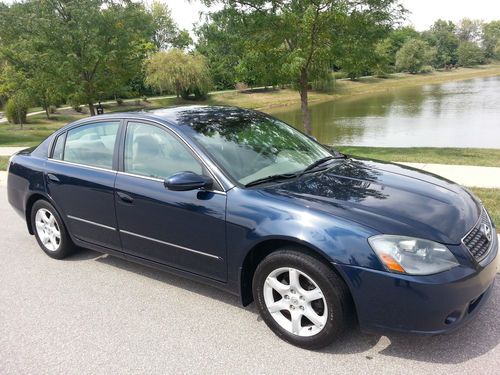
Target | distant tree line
(55,52)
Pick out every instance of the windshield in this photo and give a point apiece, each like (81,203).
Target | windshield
(251,146)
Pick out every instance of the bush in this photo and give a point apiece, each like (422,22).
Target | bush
(339,75)
(52,109)
(426,69)
(241,86)
(16,108)
(145,99)
(470,54)
(119,101)
(414,55)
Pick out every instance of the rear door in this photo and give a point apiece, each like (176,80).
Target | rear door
(80,177)
(182,229)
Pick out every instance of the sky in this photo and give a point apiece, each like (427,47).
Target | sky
(422,16)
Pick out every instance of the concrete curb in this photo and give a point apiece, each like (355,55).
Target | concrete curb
(467,175)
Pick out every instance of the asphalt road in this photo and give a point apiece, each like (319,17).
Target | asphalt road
(99,314)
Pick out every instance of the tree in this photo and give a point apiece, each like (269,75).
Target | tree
(470,54)
(414,55)
(359,34)
(302,34)
(491,39)
(167,35)
(100,45)
(221,42)
(469,30)
(178,72)
(442,36)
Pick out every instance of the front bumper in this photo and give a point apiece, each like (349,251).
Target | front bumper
(420,304)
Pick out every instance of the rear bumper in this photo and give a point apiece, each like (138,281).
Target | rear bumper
(387,302)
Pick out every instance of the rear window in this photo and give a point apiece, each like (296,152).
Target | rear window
(91,144)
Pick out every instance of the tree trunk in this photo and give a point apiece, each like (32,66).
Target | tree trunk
(91,109)
(303,88)
(47,111)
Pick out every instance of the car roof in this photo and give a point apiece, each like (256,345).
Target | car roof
(189,115)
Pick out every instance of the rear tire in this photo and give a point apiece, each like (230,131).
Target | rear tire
(301,299)
(49,230)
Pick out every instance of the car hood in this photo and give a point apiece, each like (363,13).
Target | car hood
(389,198)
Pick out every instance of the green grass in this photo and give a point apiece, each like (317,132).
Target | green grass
(491,200)
(463,156)
(37,129)
(3,162)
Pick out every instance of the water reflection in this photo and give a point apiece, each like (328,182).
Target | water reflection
(455,114)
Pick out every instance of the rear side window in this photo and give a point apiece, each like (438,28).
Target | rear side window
(59,147)
(92,144)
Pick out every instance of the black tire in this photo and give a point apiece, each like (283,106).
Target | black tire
(65,245)
(334,291)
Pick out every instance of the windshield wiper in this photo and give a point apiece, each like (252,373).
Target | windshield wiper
(275,177)
(316,164)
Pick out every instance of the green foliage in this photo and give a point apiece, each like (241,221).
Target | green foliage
(167,35)
(358,37)
(16,108)
(299,37)
(178,72)
(491,39)
(442,36)
(99,48)
(383,58)
(470,54)
(414,55)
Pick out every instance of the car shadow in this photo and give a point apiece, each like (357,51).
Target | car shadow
(478,337)
(158,275)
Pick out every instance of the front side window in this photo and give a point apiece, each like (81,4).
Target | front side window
(92,144)
(153,152)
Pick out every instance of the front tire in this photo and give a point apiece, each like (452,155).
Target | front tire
(301,299)
(50,231)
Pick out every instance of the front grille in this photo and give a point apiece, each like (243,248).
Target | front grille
(476,241)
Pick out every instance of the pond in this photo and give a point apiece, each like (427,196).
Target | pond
(454,114)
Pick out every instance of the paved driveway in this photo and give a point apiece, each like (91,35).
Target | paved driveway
(99,314)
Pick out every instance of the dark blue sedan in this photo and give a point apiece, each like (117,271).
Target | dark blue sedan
(241,201)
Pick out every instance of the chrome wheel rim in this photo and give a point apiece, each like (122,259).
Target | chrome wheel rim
(47,229)
(295,301)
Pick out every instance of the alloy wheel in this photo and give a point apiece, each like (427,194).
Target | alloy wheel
(47,229)
(295,301)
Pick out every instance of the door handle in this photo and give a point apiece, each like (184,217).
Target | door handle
(53,178)
(125,197)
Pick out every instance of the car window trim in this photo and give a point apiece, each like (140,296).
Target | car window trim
(83,165)
(175,135)
(164,125)
(65,134)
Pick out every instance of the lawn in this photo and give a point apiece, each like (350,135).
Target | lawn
(37,129)
(3,162)
(463,156)
(491,200)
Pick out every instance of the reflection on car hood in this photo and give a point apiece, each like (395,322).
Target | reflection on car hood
(387,197)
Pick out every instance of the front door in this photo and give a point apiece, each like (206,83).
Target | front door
(80,178)
(182,229)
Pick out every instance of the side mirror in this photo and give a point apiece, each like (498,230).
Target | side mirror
(183,181)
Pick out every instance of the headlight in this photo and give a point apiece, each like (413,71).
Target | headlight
(412,256)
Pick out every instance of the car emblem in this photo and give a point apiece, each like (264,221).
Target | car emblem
(485,228)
